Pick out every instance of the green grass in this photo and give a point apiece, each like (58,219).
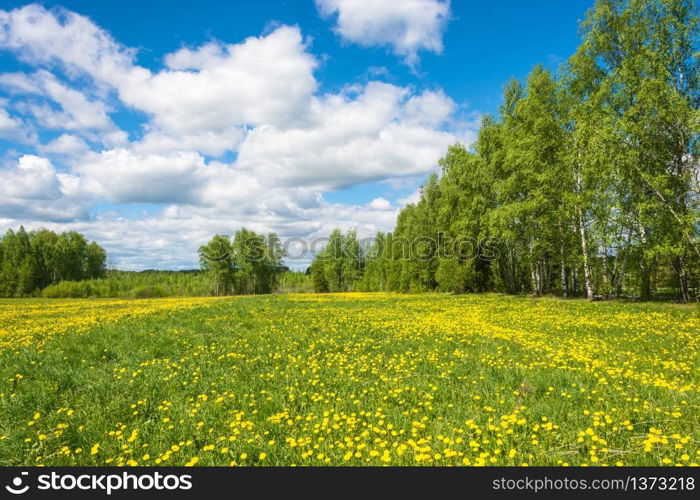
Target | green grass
(354,379)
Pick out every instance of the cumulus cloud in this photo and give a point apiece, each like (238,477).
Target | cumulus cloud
(363,134)
(38,35)
(76,110)
(236,134)
(9,126)
(122,176)
(203,97)
(381,204)
(65,144)
(206,142)
(262,80)
(407,26)
(33,188)
(360,135)
(13,128)
(33,178)
(55,105)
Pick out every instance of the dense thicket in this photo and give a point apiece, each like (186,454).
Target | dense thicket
(146,284)
(585,184)
(34,260)
(137,284)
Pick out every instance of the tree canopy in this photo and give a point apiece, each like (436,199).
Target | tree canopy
(34,260)
(586,183)
(248,263)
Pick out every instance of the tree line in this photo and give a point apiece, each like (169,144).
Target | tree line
(31,261)
(133,284)
(67,265)
(586,183)
(156,284)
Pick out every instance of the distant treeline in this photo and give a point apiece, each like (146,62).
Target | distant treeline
(136,284)
(248,263)
(32,261)
(67,265)
(587,183)
(153,284)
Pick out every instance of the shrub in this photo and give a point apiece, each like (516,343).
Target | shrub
(149,292)
(69,289)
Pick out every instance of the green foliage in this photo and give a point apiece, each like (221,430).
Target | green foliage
(70,289)
(318,277)
(32,261)
(127,284)
(149,292)
(339,265)
(295,282)
(451,275)
(248,264)
(585,184)
(217,261)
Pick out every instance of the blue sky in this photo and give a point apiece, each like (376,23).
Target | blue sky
(150,126)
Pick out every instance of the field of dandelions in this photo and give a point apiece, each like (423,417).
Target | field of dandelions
(348,379)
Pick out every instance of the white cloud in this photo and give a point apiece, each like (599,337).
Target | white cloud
(208,95)
(55,105)
(13,128)
(122,176)
(206,142)
(34,189)
(33,178)
(253,105)
(9,126)
(38,35)
(77,111)
(357,136)
(380,204)
(262,80)
(202,98)
(407,26)
(19,83)
(65,144)
(429,109)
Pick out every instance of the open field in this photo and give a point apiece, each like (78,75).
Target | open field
(352,379)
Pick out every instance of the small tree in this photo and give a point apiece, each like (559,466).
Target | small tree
(216,259)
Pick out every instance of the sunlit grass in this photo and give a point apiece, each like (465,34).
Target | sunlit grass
(352,379)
